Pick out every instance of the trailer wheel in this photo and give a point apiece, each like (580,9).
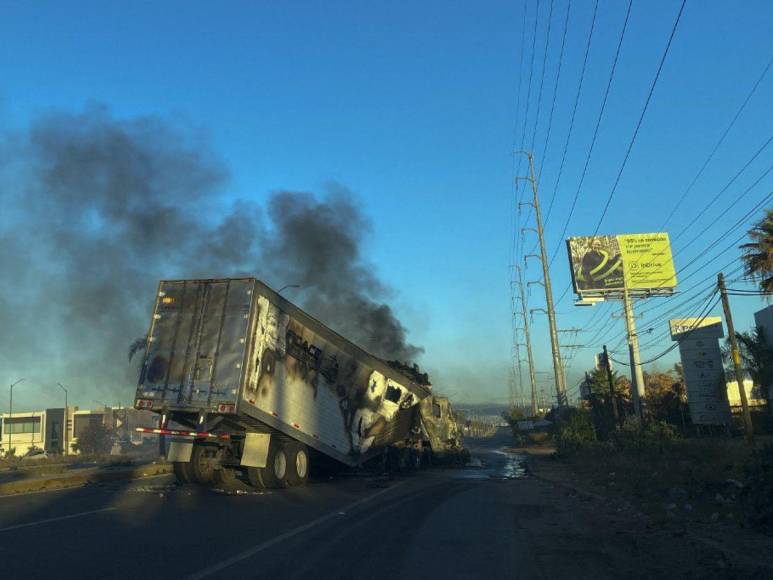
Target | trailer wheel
(298,463)
(275,474)
(225,477)
(253,477)
(182,471)
(201,468)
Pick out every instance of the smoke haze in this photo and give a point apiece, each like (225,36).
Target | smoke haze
(97,209)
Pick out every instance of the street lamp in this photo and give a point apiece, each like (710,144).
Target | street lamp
(288,286)
(66,438)
(10,416)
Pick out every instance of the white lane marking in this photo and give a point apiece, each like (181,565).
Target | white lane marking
(59,519)
(220,566)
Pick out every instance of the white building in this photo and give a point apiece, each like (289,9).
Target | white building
(33,429)
(754,394)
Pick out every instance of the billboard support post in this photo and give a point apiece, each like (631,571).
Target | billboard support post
(736,356)
(555,348)
(637,376)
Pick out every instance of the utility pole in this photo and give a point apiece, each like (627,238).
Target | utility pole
(527,335)
(637,376)
(736,355)
(519,373)
(555,348)
(608,367)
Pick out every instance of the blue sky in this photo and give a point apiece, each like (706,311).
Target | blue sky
(413,107)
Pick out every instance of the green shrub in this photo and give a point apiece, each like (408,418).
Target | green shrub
(653,435)
(573,430)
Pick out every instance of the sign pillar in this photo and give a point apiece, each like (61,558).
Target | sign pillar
(704,374)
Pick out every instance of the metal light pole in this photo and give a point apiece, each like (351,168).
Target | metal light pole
(10,415)
(66,418)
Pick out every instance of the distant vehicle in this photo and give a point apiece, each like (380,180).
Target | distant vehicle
(35,454)
(263,389)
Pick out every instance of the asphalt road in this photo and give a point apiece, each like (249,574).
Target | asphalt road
(484,521)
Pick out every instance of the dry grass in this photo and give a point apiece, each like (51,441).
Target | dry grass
(694,479)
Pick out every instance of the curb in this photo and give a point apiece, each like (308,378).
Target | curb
(75,480)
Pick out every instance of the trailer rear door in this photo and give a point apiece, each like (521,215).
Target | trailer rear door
(197,341)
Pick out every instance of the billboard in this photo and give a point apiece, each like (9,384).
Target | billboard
(640,262)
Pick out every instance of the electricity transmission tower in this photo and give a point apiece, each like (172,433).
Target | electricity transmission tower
(551,312)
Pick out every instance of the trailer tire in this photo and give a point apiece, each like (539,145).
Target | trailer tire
(275,474)
(201,469)
(182,471)
(253,477)
(298,463)
(225,477)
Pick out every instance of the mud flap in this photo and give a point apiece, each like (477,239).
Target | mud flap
(180,450)
(255,451)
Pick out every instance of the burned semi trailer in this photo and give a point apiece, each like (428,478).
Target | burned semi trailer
(442,438)
(262,388)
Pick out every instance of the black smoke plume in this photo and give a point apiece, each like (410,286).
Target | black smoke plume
(316,243)
(97,209)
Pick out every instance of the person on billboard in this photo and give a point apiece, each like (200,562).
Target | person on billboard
(600,264)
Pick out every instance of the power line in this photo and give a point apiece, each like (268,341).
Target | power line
(555,92)
(676,344)
(574,110)
(542,76)
(595,132)
(514,214)
(528,90)
(718,144)
(641,117)
(729,183)
(663,316)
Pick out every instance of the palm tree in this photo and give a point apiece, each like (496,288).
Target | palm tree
(756,358)
(758,254)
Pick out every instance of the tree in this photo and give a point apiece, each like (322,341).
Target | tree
(597,386)
(758,253)
(95,439)
(666,396)
(512,416)
(756,357)
(596,393)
